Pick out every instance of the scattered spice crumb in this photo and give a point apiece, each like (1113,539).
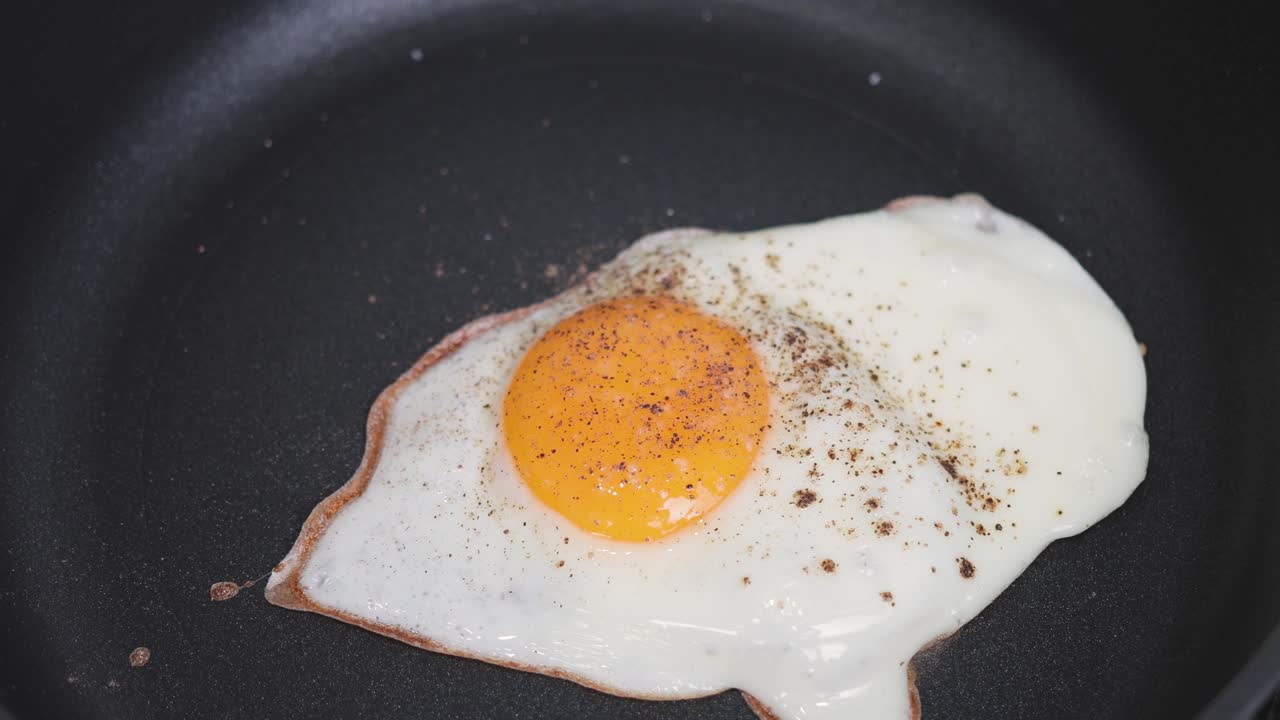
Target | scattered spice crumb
(887,597)
(950,467)
(828,565)
(746,579)
(966,568)
(140,656)
(805,498)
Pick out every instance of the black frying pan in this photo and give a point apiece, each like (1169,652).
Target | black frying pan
(203,202)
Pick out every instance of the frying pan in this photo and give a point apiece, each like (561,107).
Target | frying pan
(224,228)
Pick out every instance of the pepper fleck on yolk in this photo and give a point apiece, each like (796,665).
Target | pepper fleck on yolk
(635,417)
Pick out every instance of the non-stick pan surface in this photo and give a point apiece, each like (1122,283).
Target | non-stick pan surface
(232,226)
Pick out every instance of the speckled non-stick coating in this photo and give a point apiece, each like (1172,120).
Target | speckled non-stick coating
(230,230)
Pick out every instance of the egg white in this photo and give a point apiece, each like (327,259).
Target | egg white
(950,392)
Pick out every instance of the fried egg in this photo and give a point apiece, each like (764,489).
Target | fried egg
(780,461)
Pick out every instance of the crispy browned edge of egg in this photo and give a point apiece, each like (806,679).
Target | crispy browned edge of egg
(288,592)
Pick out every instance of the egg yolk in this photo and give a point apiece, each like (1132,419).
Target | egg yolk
(636,416)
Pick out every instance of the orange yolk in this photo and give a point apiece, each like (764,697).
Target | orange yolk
(636,416)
